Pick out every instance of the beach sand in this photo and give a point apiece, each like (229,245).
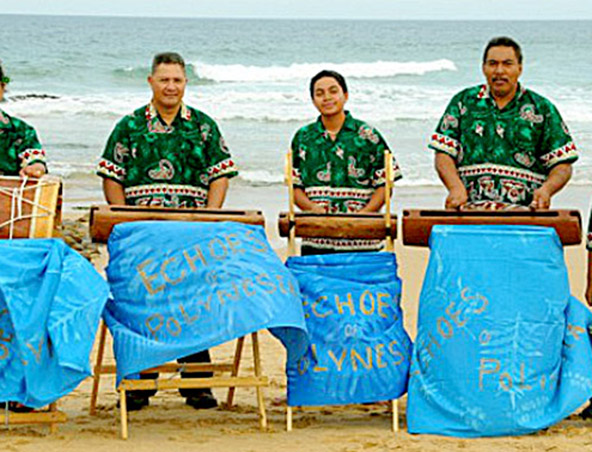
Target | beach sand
(169,425)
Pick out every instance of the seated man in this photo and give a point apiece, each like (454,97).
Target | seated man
(501,144)
(21,153)
(167,154)
(338,164)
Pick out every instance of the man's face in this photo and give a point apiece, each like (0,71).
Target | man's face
(168,85)
(502,70)
(2,88)
(328,96)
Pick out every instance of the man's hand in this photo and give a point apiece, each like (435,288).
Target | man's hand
(34,170)
(316,208)
(541,199)
(457,197)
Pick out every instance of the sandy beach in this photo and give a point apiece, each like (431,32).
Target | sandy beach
(169,425)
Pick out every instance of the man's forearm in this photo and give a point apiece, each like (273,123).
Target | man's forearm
(557,178)
(376,201)
(113,192)
(304,203)
(217,192)
(446,168)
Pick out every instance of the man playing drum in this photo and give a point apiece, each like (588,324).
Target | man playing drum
(499,143)
(21,154)
(338,164)
(167,154)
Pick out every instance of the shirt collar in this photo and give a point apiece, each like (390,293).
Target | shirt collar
(5,122)
(348,124)
(152,113)
(485,93)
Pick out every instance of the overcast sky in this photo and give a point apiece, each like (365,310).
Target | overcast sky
(313,9)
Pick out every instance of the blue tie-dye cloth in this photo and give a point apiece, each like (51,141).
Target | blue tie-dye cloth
(359,350)
(51,300)
(179,288)
(502,348)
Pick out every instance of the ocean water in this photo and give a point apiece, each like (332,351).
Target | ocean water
(74,77)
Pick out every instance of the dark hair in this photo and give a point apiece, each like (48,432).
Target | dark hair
(326,73)
(2,74)
(503,41)
(167,58)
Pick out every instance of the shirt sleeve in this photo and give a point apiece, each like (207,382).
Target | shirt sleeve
(297,154)
(446,138)
(220,163)
(29,150)
(116,154)
(557,145)
(379,161)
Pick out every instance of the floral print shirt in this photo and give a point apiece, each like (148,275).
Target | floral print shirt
(19,145)
(503,155)
(340,174)
(166,165)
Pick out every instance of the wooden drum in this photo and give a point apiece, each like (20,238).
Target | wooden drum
(338,225)
(417,224)
(30,208)
(104,218)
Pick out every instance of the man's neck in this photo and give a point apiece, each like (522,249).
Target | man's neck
(503,101)
(334,122)
(168,114)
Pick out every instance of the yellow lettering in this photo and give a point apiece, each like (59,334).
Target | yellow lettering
(486,369)
(365,311)
(173,327)
(166,277)
(355,356)
(445,334)
(575,331)
(248,287)
(234,243)
(147,280)
(280,280)
(4,350)
(506,381)
(379,348)
(314,308)
(259,245)
(303,365)
(396,353)
(484,302)
(455,316)
(207,303)
(234,296)
(264,280)
(522,384)
(36,351)
(188,320)
(316,368)
(338,362)
(382,304)
(191,260)
(221,246)
(348,303)
(155,327)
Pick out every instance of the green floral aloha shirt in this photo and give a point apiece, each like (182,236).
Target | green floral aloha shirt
(162,165)
(503,155)
(19,145)
(340,175)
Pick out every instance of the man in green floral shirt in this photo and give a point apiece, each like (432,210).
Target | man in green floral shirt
(167,154)
(21,154)
(500,144)
(338,164)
